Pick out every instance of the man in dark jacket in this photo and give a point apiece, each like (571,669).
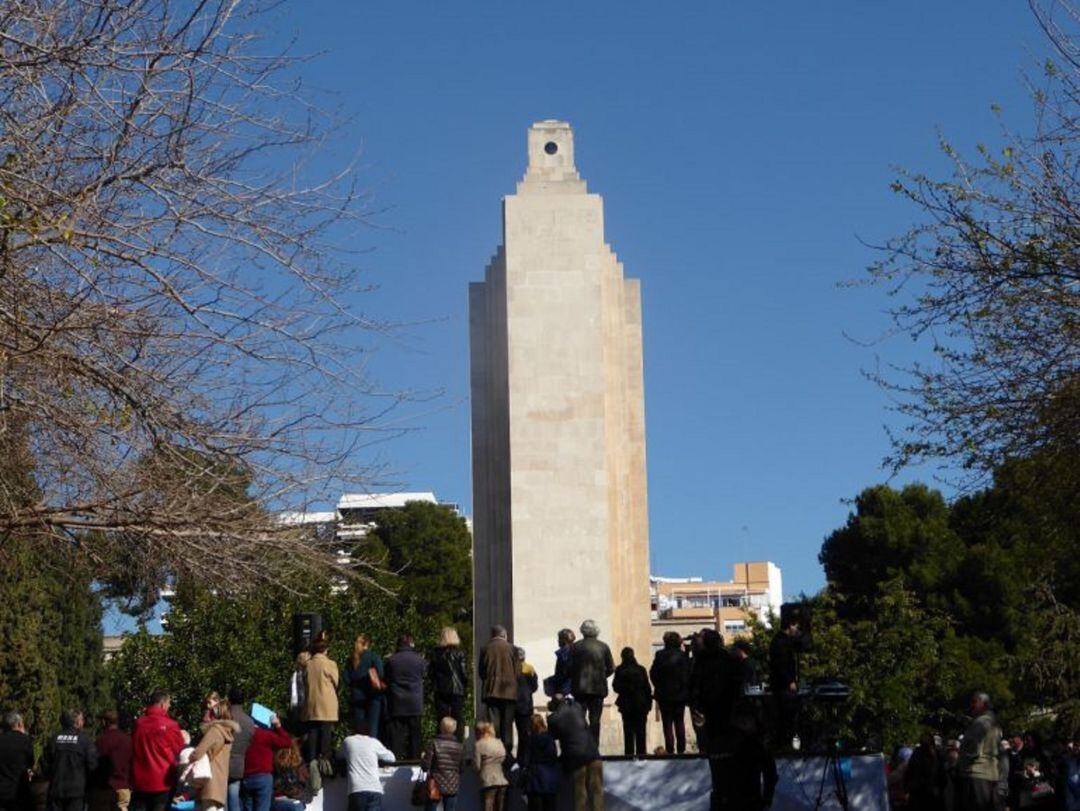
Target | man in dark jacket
(591,665)
(784,681)
(238,753)
(498,671)
(710,688)
(670,674)
(69,759)
(579,753)
(405,672)
(112,789)
(744,773)
(16,761)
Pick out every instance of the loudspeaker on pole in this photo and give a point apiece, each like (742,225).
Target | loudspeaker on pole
(306,626)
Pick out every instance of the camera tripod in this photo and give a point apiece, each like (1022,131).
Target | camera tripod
(831,768)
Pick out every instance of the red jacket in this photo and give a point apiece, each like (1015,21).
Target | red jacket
(155,745)
(260,752)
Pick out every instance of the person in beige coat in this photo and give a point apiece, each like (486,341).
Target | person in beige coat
(488,760)
(216,744)
(320,706)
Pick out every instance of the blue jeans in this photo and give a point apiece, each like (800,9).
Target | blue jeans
(370,712)
(285,804)
(449,803)
(259,792)
(365,801)
(234,800)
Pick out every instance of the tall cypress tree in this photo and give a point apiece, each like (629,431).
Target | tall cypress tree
(50,613)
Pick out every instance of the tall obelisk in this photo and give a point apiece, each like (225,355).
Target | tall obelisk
(558,419)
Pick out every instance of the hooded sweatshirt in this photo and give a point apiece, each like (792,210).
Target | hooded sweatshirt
(216,744)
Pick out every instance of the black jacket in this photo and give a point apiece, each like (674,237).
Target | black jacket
(443,760)
(745,774)
(448,671)
(69,759)
(784,662)
(710,687)
(241,741)
(670,673)
(16,759)
(405,672)
(631,684)
(541,764)
(568,726)
(590,666)
(922,777)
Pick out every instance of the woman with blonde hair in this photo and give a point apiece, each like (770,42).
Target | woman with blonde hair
(212,700)
(488,759)
(216,744)
(321,708)
(364,680)
(448,678)
(442,760)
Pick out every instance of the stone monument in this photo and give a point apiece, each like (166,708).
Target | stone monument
(558,421)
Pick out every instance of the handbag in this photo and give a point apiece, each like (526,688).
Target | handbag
(326,767)
(425,790)
(377,684)
(199,772)
(551,686)
(1036,791)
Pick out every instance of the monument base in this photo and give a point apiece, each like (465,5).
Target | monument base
(673,784)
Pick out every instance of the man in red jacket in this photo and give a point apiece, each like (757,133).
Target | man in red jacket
(155,744)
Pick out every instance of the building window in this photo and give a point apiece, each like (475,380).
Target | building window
(734,627)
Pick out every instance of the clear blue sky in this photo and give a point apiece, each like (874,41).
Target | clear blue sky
(742,149)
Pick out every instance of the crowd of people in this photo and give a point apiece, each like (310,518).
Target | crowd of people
(986,770)
(154,766)
(239,763)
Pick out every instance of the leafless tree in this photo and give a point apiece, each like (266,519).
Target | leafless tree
(178,350)
(991,278)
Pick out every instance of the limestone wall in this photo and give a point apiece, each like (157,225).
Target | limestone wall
(560,510)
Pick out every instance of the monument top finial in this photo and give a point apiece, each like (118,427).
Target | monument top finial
(551,157)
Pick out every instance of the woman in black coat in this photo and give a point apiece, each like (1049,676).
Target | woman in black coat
(448,679)
(670,674)
(634,701)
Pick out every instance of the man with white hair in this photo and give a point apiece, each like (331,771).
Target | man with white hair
(16,761)
(591,665)
(498,673)
(977,768)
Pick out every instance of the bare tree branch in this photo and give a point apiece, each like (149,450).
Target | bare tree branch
(170,298)
(991,280)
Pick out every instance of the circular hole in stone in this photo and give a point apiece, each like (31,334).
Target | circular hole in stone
(551,147)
